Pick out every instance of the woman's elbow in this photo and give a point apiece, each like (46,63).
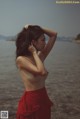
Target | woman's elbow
(55,34)
(43,73)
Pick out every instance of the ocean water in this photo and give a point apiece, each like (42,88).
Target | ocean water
(63,82)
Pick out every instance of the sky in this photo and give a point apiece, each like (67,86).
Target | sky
(62,18)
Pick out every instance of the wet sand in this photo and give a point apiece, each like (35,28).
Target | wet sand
(63,82)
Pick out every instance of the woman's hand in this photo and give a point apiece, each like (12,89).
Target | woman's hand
(32,49)
(26,26)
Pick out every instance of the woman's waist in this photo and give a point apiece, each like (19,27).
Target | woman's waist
(40,93)
(32,85)
(35,90)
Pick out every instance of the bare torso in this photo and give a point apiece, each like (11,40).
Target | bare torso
(32,81)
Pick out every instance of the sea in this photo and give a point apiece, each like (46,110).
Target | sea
(63,81)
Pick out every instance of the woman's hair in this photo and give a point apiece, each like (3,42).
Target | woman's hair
(24,39)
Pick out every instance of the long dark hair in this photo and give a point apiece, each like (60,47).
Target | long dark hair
(24,39)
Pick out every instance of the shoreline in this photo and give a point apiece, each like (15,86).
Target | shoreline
(76,41)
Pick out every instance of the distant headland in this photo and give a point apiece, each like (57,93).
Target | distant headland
(77,39)
(59,38)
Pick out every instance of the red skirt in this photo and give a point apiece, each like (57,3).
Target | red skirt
(34,105)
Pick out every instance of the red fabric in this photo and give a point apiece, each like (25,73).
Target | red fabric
(34,105)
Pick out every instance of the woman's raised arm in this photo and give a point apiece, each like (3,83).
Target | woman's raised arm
(52,38)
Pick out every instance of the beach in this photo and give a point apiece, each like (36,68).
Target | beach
(63,81)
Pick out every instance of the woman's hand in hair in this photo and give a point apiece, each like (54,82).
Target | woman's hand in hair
(26,26)
(32,49)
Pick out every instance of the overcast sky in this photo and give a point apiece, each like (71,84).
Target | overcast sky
(63,18)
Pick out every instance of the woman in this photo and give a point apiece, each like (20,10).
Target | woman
(31,51)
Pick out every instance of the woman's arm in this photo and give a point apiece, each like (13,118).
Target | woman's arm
(49,32)
(26,64)
(52,38)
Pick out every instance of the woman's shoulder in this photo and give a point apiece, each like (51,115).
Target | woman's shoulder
(19,58)
(23,59)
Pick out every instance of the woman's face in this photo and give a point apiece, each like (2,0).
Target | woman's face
(40,43)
